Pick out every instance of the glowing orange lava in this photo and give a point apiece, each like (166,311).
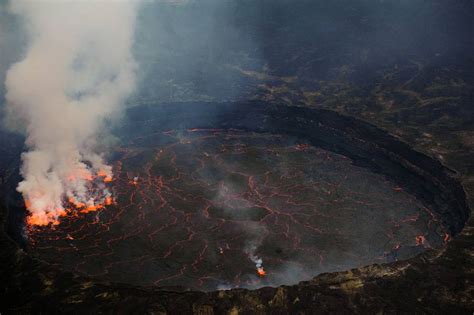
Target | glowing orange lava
(102,173)
(108,201)
(91,208)
(261,272)
(72,205)
(46,218)
(420,240)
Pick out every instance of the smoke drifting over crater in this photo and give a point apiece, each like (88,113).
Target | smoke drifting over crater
(77,71)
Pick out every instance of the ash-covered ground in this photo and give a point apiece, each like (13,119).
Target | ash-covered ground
(202,209)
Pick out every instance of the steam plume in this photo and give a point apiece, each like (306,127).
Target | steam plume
(77,71)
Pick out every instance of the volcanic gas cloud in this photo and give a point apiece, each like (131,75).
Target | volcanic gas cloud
(77,71)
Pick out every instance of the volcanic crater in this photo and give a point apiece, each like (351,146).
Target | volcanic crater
(218,196)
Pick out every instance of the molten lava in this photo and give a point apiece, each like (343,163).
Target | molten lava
(46,218)
(204,210)
(261,272)
(420,240)
(108,201)
(97,197)
(105,175)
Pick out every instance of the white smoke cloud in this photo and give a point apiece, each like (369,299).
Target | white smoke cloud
(77,71)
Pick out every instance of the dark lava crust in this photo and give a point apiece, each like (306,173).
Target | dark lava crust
(365,144)
(409,285)
(198,208)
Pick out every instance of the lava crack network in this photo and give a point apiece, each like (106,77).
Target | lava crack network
(214,209)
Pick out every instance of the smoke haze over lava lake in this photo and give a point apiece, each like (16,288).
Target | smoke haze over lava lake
(196,206)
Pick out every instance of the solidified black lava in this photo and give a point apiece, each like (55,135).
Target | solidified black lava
(203,191)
